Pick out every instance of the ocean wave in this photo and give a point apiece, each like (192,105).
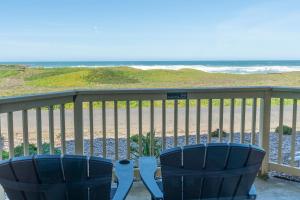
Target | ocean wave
(169,67)
(255,69)
(224,69)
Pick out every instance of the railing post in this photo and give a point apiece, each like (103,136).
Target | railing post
(78,126)
(264,129)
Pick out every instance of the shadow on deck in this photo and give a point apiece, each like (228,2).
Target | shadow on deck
(270,189)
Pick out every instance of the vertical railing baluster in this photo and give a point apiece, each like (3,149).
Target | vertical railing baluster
(140,126)
(116,130)
(25,132)
(91,119)
(209,119)
(104,129)
(175,122)
(243,114)
(63,129)
(128,128)
(232,104)
(293,137)
(39,130)
(152,127)
(187,121)
(280,132)
(163,124)
(253,128)
(51,130)
(221,111)
(10,128)
(198,120)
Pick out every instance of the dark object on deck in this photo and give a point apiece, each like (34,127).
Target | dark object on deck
(52,177)
(213,171)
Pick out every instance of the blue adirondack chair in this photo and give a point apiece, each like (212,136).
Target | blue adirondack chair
(54,177)
(213,171)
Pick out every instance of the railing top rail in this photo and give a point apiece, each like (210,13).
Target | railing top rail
(36,97)
(166,90)
(286,89)
(149,91)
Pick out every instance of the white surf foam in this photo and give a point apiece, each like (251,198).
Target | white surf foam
(224,69)
(210,69)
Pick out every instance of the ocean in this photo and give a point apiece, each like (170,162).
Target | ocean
(233,67)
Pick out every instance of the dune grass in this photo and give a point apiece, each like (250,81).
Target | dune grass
(19,80)
(62,78)
(9,70)
(8,73)
(125,77)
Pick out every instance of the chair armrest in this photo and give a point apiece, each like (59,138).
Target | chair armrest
(252,193)
(124,173)
(148,168)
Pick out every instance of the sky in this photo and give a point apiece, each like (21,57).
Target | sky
(96,30)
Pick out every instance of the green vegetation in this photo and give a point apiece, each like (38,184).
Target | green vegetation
(286,130)
(43,74)
(68,78)
(19,150)
(19,80)
(111,76)
(8,73)
(216,133)
(146,145)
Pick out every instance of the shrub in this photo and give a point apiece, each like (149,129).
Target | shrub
(216,133)
(134,147)
(19,150)
(286,130)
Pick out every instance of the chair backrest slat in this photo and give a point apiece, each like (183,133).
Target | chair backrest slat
(193,158)
(99,167)
(49,170)
(237,158)
(216,155)
(75,169)
(172,186)
(25,171)
(256,156)
(6,172)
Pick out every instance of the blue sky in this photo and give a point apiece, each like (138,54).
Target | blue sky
(49,30)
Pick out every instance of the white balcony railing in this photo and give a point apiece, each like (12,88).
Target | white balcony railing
(159,102)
